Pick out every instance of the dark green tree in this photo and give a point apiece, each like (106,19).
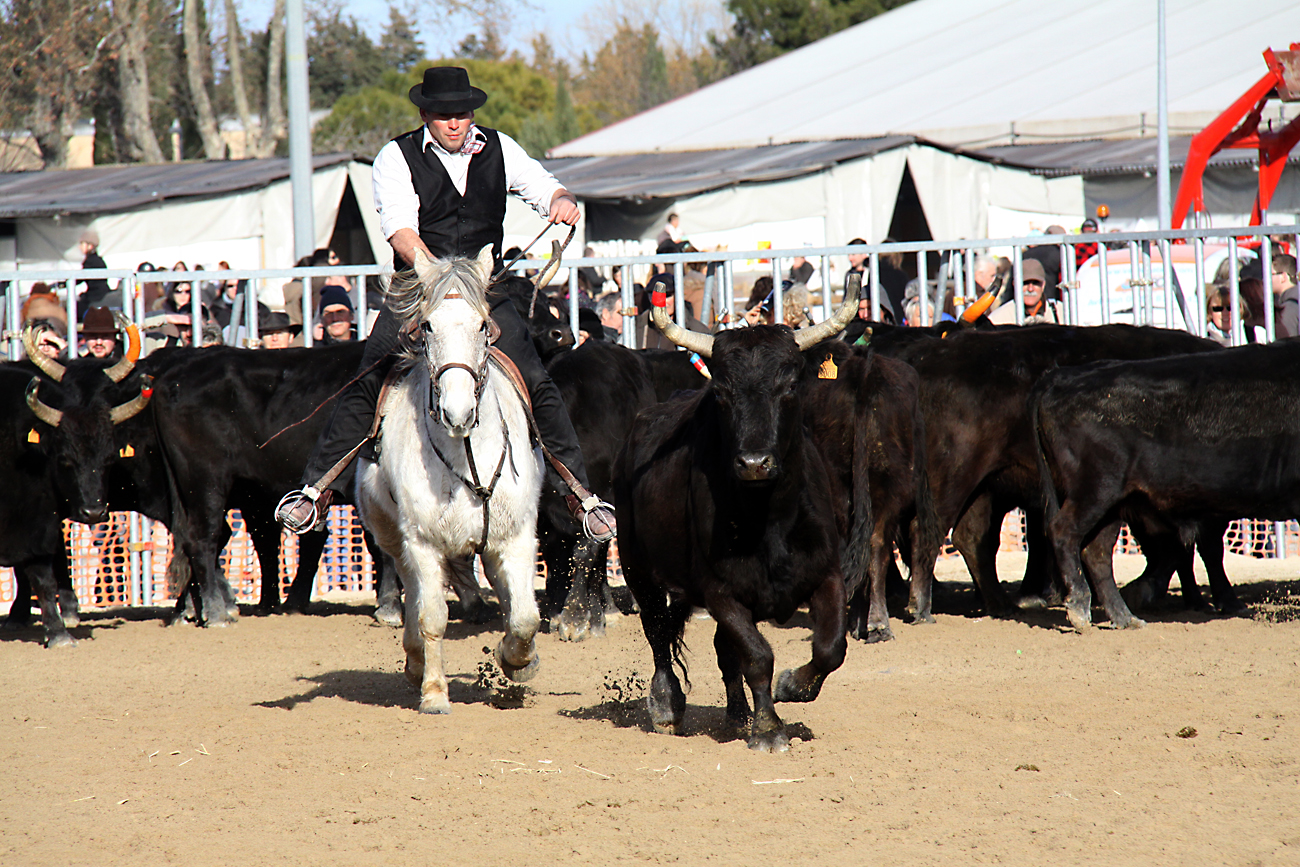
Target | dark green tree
(765,29)
(340,56)
(400,47)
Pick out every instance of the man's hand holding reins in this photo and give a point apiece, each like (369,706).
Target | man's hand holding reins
(564,208)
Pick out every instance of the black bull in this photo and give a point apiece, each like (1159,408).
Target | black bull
(200,448)
(980,445)
(725,503)
(1187,442)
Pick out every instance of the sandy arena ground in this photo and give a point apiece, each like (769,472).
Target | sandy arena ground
(294,740)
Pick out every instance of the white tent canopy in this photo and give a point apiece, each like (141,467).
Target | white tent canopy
(973,72)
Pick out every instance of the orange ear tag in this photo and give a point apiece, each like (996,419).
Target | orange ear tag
(126,452)
(33,436)
(828,370)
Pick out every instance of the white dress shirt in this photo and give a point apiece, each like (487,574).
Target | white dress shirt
(399,206)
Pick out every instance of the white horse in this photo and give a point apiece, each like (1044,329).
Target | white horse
(456,473)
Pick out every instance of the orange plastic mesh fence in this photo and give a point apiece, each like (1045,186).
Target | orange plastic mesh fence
(100,557)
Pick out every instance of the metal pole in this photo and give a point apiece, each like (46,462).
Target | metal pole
(128,307)
(628,337)
(955,268)
(873,270)
(1148,287)
(573,303)
(251,313)
(363,310)
(729,291)
(1103,274)
(679,300)
(300,168)
(922,289)
(146,561)
(1266,272)
(14,313)
(1167,280)
(1198,252)
(196,315)
(1072,281)
(828,309)
(778,301)
(133,549)
(71,305)
(1017,259)
(1162,120)
(1234,295)
(308,314)
(968,295)
(1135,280)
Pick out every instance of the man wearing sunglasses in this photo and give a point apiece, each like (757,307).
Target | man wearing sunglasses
(441,189)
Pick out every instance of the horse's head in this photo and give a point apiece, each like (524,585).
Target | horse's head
(446,324)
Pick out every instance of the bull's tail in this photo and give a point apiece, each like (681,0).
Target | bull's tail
(857,546)
(1051,503)
(925,547)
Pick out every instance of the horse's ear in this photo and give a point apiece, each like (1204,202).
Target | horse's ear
(484,263)
(423,266)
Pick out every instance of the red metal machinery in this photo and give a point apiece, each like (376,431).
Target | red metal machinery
(1238,127)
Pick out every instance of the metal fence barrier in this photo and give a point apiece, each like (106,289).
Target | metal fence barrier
(124,561)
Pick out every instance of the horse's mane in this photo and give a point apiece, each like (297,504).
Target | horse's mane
(413,299)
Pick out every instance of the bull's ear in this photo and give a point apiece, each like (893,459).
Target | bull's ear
(484,263)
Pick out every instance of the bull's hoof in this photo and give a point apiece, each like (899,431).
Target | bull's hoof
(927,617)
(63,639)
(441,704)
(71,619)
(1233,608)
(517,673)
(567,626)
(1131,623)
(221,621)
(789,689)
(1138,595)
(1032,602)
(389,615)
(13,624)
(877,634)
(1080,618)
(474,611)
(770,742)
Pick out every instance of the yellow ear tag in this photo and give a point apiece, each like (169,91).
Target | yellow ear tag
(33,436)
(126,452)
(828,370)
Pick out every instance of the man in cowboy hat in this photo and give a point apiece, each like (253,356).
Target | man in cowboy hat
(441,189)
(99,332)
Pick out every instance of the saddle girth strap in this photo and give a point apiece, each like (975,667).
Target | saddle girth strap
(512,372)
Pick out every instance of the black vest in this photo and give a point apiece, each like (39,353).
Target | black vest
(452,224)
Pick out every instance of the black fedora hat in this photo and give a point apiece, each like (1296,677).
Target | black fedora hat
(446,90)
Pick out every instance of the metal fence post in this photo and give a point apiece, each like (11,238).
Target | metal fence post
(874,271)
(828,309)
(250,338)
(729,290)
(363,308)
(1135,280)
(1017,283)
(778,301)
(1234,294)
(1103,274)
(133,556)
(1266,273)
(922,290)
(12,316)
(573,303)
(308,323)
(1198,255)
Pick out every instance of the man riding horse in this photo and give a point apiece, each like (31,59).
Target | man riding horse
(441,189)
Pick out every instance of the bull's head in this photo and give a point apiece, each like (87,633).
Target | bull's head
(756,373)
(81,443)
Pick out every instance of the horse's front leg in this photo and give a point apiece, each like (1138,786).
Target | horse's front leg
(511,570)
(426,623)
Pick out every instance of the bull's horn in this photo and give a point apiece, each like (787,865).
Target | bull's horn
(49,415)
(692,340)
(815,334)
(119,371)
(121,413)
(47,365)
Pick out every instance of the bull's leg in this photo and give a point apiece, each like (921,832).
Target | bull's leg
(388,587)
(877,626)
(1209,543)
(557,552)
(1097,557)
(1165,553)
(925,551)
(69,606)
(976,537)
(265,534)
(214,602)
(1042,577)
(1067,543)
(767,732)
(733,680)
(662,624)
(510,569)
(311,546)
(426,623)
(826,610)
(41,575)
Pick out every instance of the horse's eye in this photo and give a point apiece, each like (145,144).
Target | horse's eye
(426,327)
(485,326)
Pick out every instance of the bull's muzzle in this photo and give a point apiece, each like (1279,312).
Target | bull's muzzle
(755,466)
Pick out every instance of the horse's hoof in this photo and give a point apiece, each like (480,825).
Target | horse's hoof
(60,640)
(518,674)
(389,615)
(438,705)
(770,742)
